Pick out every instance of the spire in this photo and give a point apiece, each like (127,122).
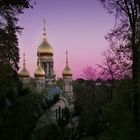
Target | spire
(44,29)
(24,72)
(39,72)
(24,60)
(67,70)
(66,58)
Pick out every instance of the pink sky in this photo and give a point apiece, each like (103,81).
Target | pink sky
(78,26)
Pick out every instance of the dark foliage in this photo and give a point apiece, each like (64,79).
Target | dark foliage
(18,121)
(9,51)
(127,31)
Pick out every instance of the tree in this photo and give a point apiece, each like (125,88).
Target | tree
(89,108)
(89,73)
(9,51)
(107,72)
(117,115)
(127,31)
(117,65)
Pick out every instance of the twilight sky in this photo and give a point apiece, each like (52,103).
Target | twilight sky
(78,26)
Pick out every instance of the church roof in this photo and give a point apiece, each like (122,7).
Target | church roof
(53,91)
(39,72)
(24,72)
(45,48)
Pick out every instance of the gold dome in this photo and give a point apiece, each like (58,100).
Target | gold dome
(45,48)
(67,71)
(39,72)
(24,73)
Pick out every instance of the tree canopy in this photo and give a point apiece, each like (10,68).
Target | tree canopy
(9,51)
(127,32)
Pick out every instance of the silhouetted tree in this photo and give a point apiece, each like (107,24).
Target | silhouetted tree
(89,73)
(9,51)
(127,31)
(107,71)
(117,65)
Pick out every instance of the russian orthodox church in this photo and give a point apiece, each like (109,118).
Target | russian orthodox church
(44,75)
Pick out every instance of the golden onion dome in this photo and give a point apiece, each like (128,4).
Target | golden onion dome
(67,71)
(45,48)
(24,73)
(39,72)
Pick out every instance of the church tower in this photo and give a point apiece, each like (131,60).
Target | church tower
(45,57)
(24,74)
(67,79)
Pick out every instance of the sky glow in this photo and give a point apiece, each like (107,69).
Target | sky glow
(78,26)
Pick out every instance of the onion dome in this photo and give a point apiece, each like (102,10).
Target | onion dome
(67,70)
(24,72)
(45,48)
(39,72)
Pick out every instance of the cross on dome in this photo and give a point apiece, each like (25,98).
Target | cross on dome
(44,24)
(66,57)
(23,59)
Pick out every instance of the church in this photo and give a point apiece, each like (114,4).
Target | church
(44,76)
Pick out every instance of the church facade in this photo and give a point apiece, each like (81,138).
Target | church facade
(44,75)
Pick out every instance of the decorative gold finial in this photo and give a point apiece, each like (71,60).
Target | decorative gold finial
(23,59)
(44,28)
(66,57)
(67,70)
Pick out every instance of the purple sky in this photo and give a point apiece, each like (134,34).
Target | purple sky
(78,26)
